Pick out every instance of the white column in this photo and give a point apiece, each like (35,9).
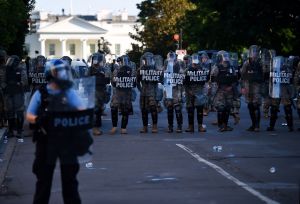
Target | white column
(84,49)
(43,46)
(63,47)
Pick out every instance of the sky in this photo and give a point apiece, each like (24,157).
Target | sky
(86,6)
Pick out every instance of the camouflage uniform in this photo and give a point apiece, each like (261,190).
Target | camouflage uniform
(252,79)
(225,76)
(123,80)
(148,77)
(286,91)
(102,75)
(236,102)
(196,92)
(297,87)
(174,102)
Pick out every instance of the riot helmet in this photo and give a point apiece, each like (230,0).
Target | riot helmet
(171,56)
(13,61)
(203,56)
(40,61)
(67,59)
(59,72)
(293,62)
(223,58)
(125,61)
(98,59)
(147,59)
(254,53)
(195,58)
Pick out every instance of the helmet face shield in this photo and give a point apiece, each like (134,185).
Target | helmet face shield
(195,59)
(253,52)
(59,71)
(40,61)
(147,59)
(98,59)
(13,61)
(125,60)
(223,57)
(171,56)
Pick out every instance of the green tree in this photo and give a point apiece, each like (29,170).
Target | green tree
(236,24)
(160,20)
(14,15)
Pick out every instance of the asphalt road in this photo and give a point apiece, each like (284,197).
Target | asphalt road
(175,168)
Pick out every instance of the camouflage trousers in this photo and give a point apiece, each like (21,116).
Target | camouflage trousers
(284,101)
(146,102)
(253,93)
(236,105)
(224,98)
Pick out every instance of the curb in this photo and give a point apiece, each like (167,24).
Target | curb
(7,155)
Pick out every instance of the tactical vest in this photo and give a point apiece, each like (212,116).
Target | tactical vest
(13,78)
(226,75)
(54,106)
(99,73)
(254,72)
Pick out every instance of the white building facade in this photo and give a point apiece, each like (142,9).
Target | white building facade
(55,36)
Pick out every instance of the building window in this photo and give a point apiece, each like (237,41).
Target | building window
(72,49)
(92,48)
(117,49)
(51,49)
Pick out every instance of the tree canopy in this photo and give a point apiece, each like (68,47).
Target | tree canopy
(14,15)
(221,24)
(160,20)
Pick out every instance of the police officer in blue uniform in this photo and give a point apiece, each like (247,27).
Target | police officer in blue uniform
(56,97)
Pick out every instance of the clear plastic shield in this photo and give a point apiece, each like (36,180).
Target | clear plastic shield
(234,59)
(158,62)
(168,75)
(275,77)
(173,76)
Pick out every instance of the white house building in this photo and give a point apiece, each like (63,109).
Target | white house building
(77,35)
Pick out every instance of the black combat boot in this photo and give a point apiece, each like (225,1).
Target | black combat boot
(289,117)
(273,118)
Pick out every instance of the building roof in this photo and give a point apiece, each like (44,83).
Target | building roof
(73,25)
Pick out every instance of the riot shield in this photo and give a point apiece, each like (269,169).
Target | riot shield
(151,68)
(234,60)
(173,76)
(280,76)
(195,74)
(71,114)
(80,69)
(158,60)
(36,74)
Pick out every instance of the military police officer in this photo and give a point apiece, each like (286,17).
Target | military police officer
(297,86)
(123,80)
(196,75)
(102,75)
(224,74)
(281,90)
(173,91)
(16,80)
(252,79)
(148,76)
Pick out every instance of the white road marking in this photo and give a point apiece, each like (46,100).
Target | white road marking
(228,176)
